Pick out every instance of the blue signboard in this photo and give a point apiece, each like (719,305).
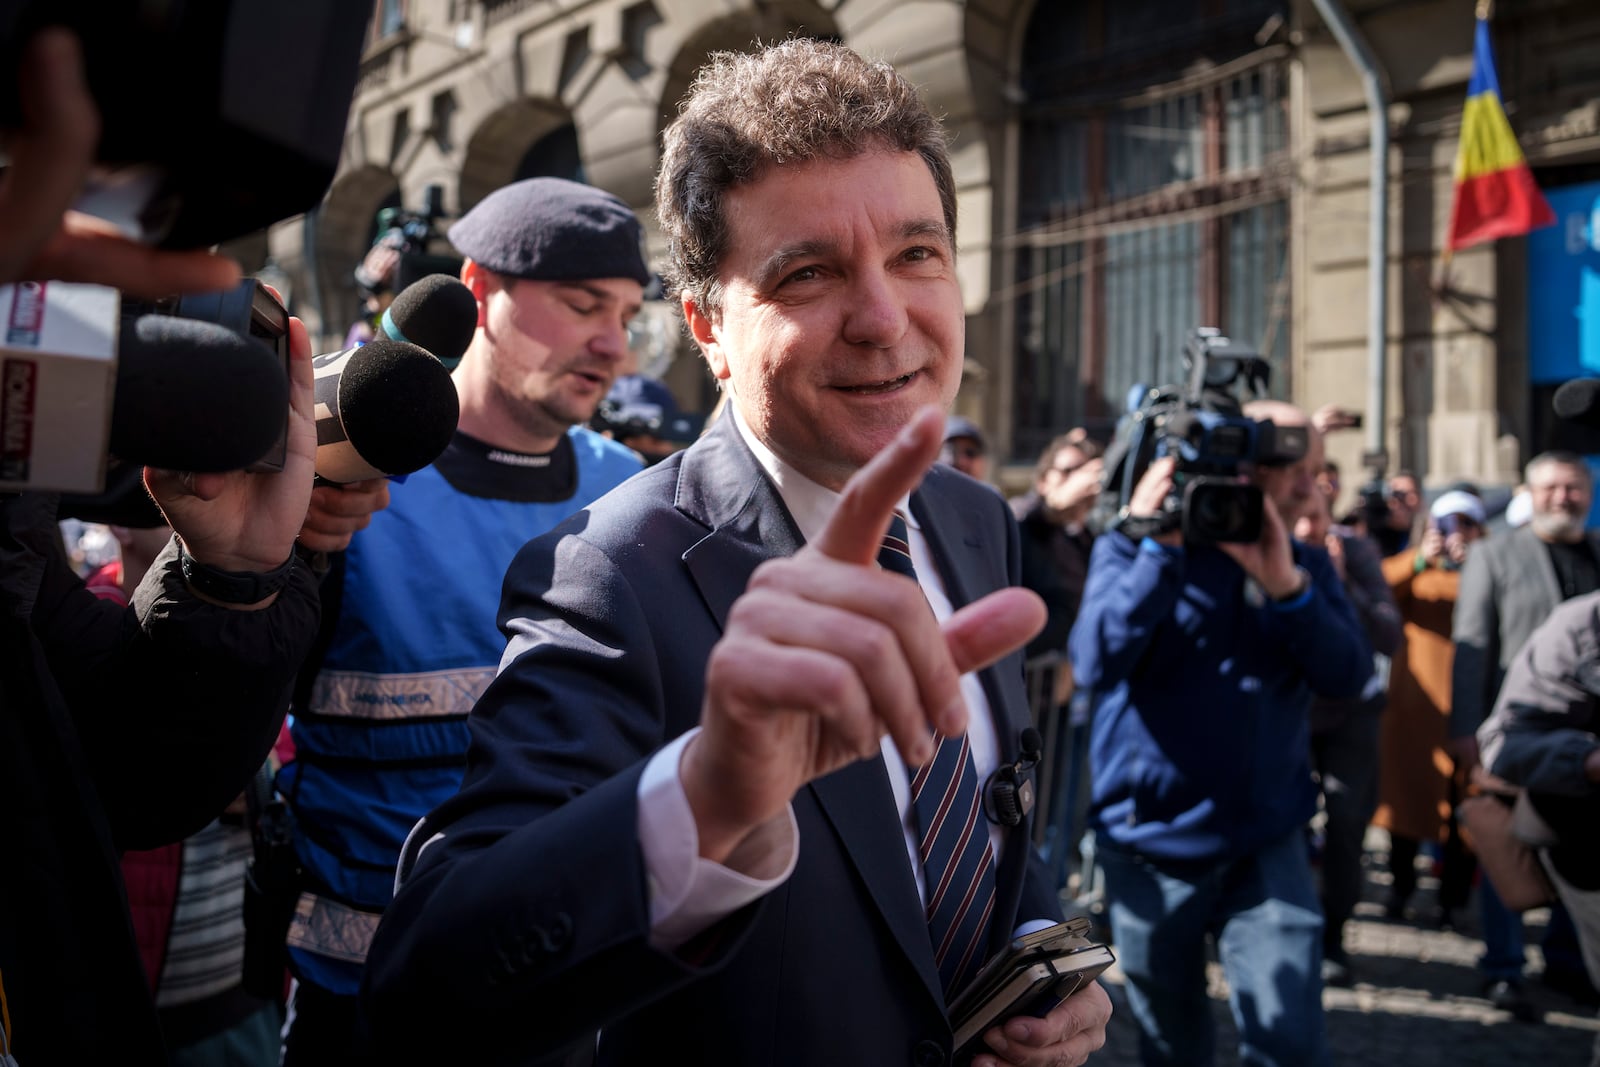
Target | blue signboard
(1564,288)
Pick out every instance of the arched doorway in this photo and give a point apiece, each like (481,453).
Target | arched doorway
(346,225)
(525,132)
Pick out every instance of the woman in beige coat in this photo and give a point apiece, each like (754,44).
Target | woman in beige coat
(1416,786)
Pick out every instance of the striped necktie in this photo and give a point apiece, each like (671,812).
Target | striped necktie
(957,863)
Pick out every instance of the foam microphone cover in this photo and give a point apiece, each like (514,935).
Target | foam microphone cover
(1578,401)
(436,313)
(195,396)
(392,403)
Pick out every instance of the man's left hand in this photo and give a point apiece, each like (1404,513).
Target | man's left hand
(1064,1038)
(1268,559)
(245,522)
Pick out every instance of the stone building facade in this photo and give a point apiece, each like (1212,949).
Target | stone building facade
(1126,169)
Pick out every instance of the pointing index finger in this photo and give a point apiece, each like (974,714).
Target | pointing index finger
(855,529)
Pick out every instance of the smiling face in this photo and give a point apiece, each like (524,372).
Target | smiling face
(545,356)
(840,312)
(1561,494)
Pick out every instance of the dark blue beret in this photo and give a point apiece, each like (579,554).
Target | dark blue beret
(550,229)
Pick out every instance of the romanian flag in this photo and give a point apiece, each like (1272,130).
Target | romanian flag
(1495,192)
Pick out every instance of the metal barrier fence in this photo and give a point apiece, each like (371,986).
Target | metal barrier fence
(1062,775)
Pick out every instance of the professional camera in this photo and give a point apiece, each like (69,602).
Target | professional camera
(1201,424)
(217,118)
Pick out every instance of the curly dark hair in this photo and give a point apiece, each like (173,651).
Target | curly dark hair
(791,102)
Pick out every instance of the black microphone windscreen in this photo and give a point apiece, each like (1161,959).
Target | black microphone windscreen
(398,406)
(195,396)
(1032,743)
(437,313)
(1578,400)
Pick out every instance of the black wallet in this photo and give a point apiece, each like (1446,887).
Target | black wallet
(1035,973)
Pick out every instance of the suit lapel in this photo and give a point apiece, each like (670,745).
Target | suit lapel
(723,486)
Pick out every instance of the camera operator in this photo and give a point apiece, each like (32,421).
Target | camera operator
(1202,660)
(123,727)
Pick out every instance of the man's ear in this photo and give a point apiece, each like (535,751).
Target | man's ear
(703,328)
(476,278)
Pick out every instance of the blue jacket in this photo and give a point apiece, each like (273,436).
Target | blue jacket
(1199,746)
(383,737)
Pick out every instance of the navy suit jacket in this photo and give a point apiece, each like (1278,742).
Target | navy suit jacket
(524,924)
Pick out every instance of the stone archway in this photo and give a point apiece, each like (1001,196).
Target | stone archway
(344,233)
(498,145)
(739,31)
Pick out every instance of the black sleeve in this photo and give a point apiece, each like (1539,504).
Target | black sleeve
(1039,574)
(176,701)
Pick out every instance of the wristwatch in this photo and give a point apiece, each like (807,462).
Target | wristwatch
(233,587)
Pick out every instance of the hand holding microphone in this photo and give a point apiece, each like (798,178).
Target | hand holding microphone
(412,419)
(240,522)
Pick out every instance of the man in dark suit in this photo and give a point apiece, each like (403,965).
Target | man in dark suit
(693,816)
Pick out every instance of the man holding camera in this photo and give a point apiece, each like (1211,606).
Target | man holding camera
(410,640)
(1202,660)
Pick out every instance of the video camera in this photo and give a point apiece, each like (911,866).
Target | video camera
(1203,426)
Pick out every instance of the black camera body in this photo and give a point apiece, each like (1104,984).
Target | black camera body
(217,118)
(1203,426)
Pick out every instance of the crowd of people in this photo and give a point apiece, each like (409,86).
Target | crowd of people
(606,746)
(1226,694)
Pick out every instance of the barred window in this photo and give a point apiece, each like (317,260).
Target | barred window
(1153,198)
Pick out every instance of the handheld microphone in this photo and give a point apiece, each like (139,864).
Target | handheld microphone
(195,396)
(436,313)
(383,408)
(1008,794)
(81,383)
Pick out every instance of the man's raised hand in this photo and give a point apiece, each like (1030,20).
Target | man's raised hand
(824,653)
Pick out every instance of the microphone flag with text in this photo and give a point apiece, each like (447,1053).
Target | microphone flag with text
(83,383)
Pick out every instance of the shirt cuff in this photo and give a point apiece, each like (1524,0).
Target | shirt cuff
(689,894)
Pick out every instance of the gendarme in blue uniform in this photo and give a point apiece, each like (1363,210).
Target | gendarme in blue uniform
(381,737)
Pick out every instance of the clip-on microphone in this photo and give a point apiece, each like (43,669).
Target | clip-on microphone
(1008,794)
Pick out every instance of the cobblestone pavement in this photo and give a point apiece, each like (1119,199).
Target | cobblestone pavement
(1416,1001)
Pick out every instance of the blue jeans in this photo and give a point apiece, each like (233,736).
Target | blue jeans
(1263,912)
(1503,951)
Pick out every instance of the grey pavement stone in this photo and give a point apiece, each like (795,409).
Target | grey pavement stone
(1416,1002)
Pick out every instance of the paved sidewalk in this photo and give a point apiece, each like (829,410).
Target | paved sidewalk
(1416,1002)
